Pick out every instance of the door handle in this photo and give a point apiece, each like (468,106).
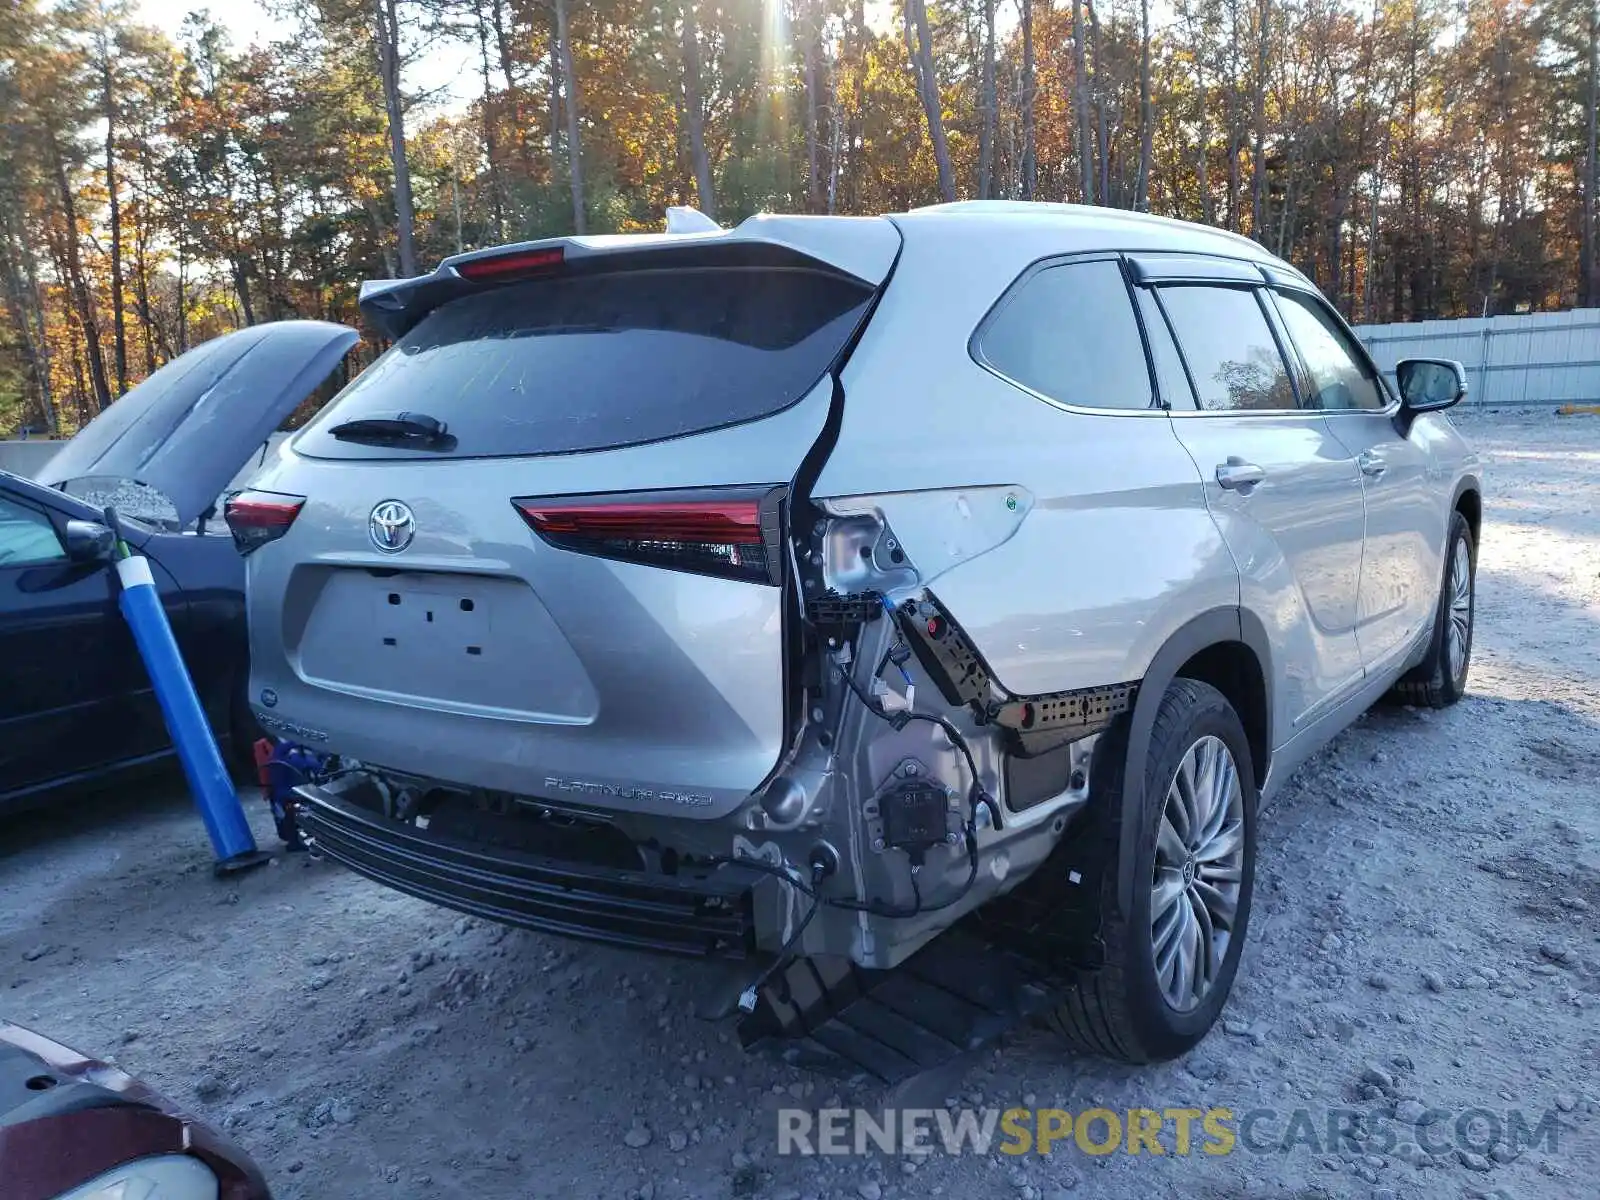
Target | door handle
(1371,464)
(1239,476)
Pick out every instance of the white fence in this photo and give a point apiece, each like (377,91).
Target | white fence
(1539,358)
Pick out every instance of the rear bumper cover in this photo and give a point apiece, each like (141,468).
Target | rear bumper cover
(708,916)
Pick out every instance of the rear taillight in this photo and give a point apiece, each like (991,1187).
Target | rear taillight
(256,518)
(733,534)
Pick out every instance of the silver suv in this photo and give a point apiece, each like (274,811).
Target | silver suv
(790,594)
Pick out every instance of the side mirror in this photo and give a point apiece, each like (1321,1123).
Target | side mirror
(1430,384)
(87,541)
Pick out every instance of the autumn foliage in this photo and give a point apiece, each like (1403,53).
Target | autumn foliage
(158,187)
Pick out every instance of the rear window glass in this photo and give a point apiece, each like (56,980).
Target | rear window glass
(555,366)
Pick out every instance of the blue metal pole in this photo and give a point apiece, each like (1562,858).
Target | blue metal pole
(209,781)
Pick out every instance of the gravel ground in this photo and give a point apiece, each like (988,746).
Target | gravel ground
(1426,937)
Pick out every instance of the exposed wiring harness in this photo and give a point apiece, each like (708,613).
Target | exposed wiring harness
(978,798)
(747,998)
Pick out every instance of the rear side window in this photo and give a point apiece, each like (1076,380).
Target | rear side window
(556,366)
(1069,333)
(1232,354)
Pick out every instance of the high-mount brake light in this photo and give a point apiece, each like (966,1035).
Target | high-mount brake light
(512,265)
(256,518)
(732,536)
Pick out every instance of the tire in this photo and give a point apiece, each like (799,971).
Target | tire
(1440,679)
(1123,1010)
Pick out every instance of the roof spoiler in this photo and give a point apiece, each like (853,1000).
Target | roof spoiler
(863,248)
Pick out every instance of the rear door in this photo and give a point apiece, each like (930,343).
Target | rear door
(538,546)
(1402,558)
(1284,491)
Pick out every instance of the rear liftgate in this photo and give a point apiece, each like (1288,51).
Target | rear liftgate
(996,967)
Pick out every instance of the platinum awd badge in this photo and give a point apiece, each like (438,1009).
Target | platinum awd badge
(288,729)
(585,787)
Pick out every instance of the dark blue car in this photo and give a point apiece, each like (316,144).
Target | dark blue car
(75,702)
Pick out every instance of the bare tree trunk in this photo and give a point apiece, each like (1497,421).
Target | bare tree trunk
(988,108)
(833,158)
(1102,140)
(1258,164)
(813,174)
(916,15)
(855,134)
(491,151)
(183,283)
(455,200)
(508,58)
(241,285)
(1141,187)
(75,276)
(694,106)
(22,291)
(555,94)
(1030,152)
(389,71)
(569,80)
(1080,105)
(1589,286)
(141,285)
(108,107)
(119,320)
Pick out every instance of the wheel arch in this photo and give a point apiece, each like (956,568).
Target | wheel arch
(1226,648)
(1469,503)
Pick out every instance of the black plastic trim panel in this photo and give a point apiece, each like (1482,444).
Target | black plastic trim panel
(709,917)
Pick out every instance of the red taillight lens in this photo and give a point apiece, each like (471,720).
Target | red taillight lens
(513,265)
(256,518)
(734,535)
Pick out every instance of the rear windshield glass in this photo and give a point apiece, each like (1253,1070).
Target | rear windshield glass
(555,366)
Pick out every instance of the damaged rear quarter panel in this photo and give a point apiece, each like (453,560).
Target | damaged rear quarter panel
(1114,548)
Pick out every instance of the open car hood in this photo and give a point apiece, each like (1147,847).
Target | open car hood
(187,430)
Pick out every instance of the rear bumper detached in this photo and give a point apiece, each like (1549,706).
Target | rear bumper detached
(708,917)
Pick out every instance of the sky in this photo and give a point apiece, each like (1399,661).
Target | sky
(445,68)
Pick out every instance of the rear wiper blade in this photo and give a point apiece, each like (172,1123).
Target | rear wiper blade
(402,429)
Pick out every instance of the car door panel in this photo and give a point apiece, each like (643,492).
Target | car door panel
(1402,556)
(1296,537)
(1283,490)
(1402,562)
(79,700)
(54,624)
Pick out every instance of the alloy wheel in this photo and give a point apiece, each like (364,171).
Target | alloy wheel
(1199,867)
(1458,636)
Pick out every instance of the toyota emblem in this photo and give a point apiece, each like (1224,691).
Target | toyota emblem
(391,526)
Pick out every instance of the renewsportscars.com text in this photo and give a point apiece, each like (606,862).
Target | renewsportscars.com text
(1165,1131)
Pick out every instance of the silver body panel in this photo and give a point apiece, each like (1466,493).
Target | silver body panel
(1071,545)
(691,718)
